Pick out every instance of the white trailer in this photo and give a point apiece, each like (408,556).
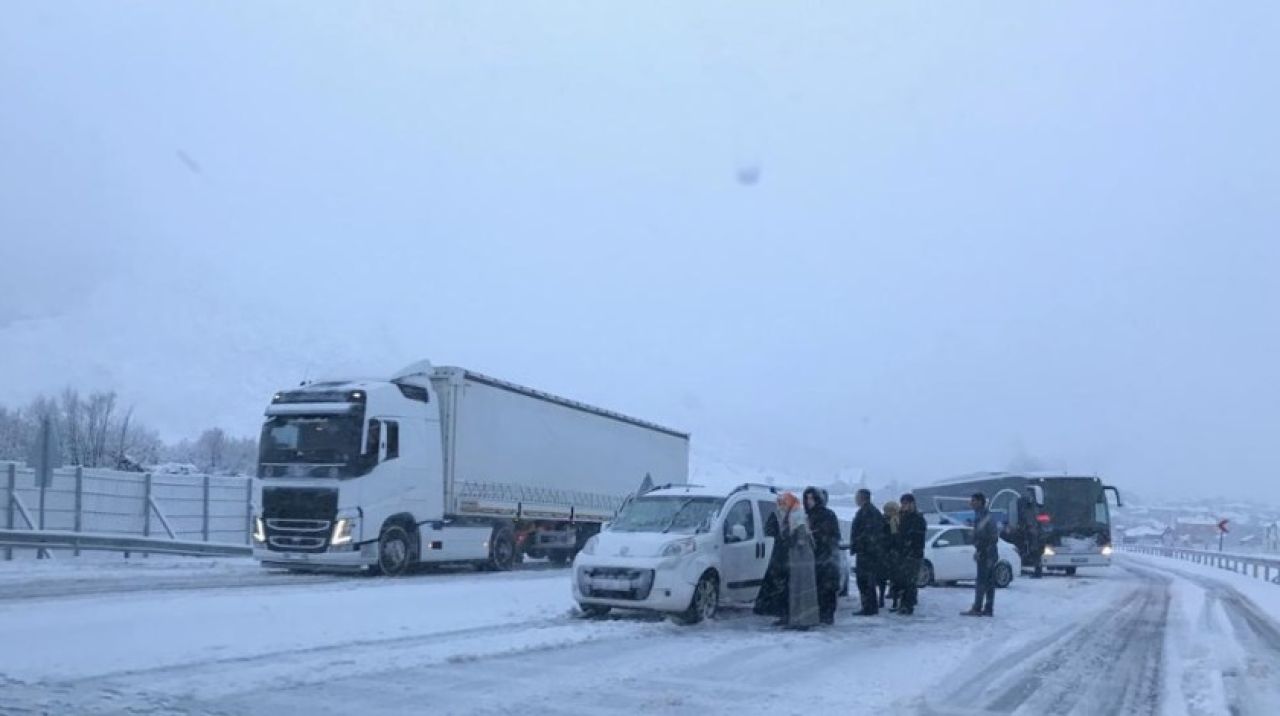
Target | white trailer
(444,465)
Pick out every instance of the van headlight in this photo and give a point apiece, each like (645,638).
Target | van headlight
(1106,550)
(590,546)
(1048,551)
(259,530)
(680,547)
(344,531)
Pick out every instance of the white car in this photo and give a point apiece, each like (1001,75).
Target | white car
(948,558)
(683,550)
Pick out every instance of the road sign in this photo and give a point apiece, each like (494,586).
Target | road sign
(1222,526)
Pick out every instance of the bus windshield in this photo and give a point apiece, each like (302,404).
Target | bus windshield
(1075,505)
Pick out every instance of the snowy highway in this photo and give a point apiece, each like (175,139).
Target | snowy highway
(1150,636)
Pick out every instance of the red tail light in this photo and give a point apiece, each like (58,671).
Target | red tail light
(1042,518)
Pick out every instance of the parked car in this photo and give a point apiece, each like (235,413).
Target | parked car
(948,558)
(683,550)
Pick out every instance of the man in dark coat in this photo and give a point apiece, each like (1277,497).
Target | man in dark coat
(825,529)
(912,531)
(986,538)
(866,539)
(1031,537)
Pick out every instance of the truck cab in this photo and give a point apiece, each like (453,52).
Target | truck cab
(340,462)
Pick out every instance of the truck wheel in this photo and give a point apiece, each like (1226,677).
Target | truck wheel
(1004,575)
(502,549)
(395,550)
(924,577)
(705,602)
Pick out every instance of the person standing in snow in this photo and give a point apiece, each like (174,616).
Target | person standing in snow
(774,594)
(986,554)
(1030,535)
(866,538)
(912,528)
(825,530)
(802,579)
(892,556)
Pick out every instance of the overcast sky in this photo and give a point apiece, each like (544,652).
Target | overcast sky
(921,238)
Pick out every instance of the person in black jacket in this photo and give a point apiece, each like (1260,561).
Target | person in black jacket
(772,599)
(825,529)
(866,539)
(912,531)
(986,553)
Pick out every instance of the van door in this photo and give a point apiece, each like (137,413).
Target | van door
(741,565)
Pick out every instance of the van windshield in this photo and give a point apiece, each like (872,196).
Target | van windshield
(667,513)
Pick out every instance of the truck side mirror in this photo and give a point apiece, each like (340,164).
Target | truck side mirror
(1038,492)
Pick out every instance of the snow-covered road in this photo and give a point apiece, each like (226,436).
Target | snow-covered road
(1151,636)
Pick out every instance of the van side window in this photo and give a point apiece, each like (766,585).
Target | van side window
(739,514)
(393,439)
(769,511)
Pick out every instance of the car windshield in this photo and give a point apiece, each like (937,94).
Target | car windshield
(666,513)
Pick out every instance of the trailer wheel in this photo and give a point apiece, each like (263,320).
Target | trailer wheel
(395,550)
(502,549)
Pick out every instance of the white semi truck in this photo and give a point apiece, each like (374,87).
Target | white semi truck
(444,465)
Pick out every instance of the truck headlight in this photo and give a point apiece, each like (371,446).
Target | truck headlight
(590,546)
(680,547)
(343,531)
(1106,550)
(1048,551)
(259,530)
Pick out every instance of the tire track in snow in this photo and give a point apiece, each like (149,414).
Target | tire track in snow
(1110,663)
(1250,666)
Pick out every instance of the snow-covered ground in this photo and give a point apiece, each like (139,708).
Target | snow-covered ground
(223,637)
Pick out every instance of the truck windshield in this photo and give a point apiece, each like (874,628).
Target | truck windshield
(674,513)
(319,441)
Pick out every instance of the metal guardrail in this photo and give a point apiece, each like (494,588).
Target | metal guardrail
(58,539)
(1266,568)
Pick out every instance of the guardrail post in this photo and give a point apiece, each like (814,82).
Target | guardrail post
(146,509)
(79,503)
(204,513)
(8,520)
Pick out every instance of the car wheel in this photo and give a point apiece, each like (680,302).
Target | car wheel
(1004,575)
(502,549)
(705,601)
(924,577)
(395,550)
(594,611)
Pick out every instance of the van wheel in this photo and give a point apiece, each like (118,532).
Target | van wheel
(705,602)
(395,550)
(502,549)
(924,577)
(1004,575)
(594,611)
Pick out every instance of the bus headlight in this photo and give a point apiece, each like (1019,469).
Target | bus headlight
(343,531)
(259,530)
(1106,550)
(1048,551)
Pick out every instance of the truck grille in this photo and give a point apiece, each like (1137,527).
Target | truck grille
(299,519)
(616,583)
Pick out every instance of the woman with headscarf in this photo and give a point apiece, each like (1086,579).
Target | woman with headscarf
(802,583)
(772,599)
(890,576)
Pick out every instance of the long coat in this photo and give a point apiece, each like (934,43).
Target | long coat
(802,604)
(773,597)
(866,538)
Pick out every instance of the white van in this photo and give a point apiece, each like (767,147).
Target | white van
(683,550)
